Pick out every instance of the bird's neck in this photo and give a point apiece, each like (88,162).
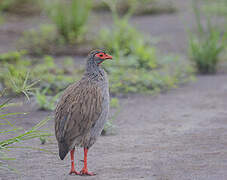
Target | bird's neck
(94,71)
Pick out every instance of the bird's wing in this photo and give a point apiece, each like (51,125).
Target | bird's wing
(77,111)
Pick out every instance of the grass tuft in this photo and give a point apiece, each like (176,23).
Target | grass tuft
(206,46)
(70,18)
(45,102)
(15,77)
(8,129)
(137,67)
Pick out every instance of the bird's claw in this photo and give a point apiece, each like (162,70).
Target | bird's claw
(84,172)
(74,172)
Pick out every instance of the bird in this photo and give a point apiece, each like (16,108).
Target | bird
(82,111)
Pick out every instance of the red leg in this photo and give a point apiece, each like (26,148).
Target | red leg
(84,171)
(73,171)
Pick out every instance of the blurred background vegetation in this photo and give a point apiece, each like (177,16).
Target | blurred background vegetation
(42,63)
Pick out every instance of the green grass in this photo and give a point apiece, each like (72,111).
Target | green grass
(141,6)
(27,7)
(70,18)
(137,66)
(40,41)
(16,73)
(12,135)
(205,52)
(114,103)
(11,77)
(218,7)
(12,56)
(45,102)
(109,127)
(8,4)
(206,45)
(68,29)
(34,132)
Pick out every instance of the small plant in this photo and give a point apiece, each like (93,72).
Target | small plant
(42,140)
(141,6)
(20,6)
(45,102)
(70,18)
(40,41)
(205,52)
(109,127)
(137,67)
(218,7)
(9,143)
(114,103)
(16,79)
(206,46)
(11,134)
(14,75)
(12,56)
(21,85)
(69,27)
(124,40)
(8,4)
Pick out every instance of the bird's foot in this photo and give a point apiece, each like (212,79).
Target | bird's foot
(73,171)
(84,172)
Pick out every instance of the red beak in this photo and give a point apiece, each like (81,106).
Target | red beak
(107,56)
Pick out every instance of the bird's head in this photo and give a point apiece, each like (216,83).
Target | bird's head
(98,56)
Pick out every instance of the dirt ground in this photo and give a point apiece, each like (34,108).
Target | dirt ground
(178,135)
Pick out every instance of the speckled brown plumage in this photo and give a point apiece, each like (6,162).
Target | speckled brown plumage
(78,110)
(82,110)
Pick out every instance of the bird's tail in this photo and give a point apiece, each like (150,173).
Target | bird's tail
(63,149)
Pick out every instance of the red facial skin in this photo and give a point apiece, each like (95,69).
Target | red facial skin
(103,56)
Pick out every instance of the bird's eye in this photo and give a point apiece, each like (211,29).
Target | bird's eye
(101,55)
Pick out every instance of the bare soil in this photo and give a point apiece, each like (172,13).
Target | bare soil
(178,135)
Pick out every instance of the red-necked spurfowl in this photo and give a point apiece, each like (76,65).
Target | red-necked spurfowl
(82,110)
